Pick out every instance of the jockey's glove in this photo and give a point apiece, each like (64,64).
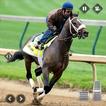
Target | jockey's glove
(53,28)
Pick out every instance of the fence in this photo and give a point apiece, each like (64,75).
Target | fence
(92,59)
(28,19)
(43,19)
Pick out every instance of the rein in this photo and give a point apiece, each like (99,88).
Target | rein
(64,38)
(70,23)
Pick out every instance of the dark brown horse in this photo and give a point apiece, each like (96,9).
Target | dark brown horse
(55,57)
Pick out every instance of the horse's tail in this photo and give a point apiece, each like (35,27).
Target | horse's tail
(15,56)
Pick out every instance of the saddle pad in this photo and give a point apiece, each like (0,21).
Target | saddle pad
(31,50)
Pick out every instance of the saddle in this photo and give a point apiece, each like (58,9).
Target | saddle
(33,41)
(30,49)
(41,46)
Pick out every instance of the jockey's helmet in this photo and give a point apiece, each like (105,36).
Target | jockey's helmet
(67,5)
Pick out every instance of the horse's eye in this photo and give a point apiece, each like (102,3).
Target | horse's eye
(74,23)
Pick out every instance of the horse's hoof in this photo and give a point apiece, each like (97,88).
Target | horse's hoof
(36,102)
(35,89)
(8,56)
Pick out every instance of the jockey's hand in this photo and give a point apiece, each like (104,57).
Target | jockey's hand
(53,28)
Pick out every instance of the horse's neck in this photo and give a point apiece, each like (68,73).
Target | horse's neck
(65,37)
(64,33)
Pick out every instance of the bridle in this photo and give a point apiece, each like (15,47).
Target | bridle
(74,27)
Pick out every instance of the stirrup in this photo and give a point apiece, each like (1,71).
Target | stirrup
(41,46)
(37,45)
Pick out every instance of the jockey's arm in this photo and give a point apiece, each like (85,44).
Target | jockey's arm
(51,21)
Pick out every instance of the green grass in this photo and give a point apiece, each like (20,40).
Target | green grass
(10,33)
(15,70)
(42,7)
(82,77)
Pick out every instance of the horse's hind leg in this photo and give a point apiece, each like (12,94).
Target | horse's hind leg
(28,73)
(38,73)
(29,77)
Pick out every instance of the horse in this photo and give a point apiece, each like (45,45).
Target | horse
(55,57)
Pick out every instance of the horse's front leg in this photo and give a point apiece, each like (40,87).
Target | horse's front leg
(53,80)
(46,79)
(44,90)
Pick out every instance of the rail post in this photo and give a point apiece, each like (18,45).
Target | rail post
(96,39)
(23,34)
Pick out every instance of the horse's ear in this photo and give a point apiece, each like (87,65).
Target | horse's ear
(71,17)
(76,14)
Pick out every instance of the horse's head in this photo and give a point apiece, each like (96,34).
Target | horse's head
(77,28)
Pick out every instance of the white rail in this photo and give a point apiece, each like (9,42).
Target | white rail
(92,59)
(43,19)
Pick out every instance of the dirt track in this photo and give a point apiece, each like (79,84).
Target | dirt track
(57,97)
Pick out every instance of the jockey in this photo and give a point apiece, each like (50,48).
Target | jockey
(55,22)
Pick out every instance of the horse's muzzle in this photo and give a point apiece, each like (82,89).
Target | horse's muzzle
(83,34)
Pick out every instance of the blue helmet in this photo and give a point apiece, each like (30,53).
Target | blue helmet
(67,5)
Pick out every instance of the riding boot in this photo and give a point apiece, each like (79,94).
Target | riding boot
(47,34)
(41,46)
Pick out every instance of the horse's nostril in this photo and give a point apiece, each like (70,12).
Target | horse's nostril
(86,34)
